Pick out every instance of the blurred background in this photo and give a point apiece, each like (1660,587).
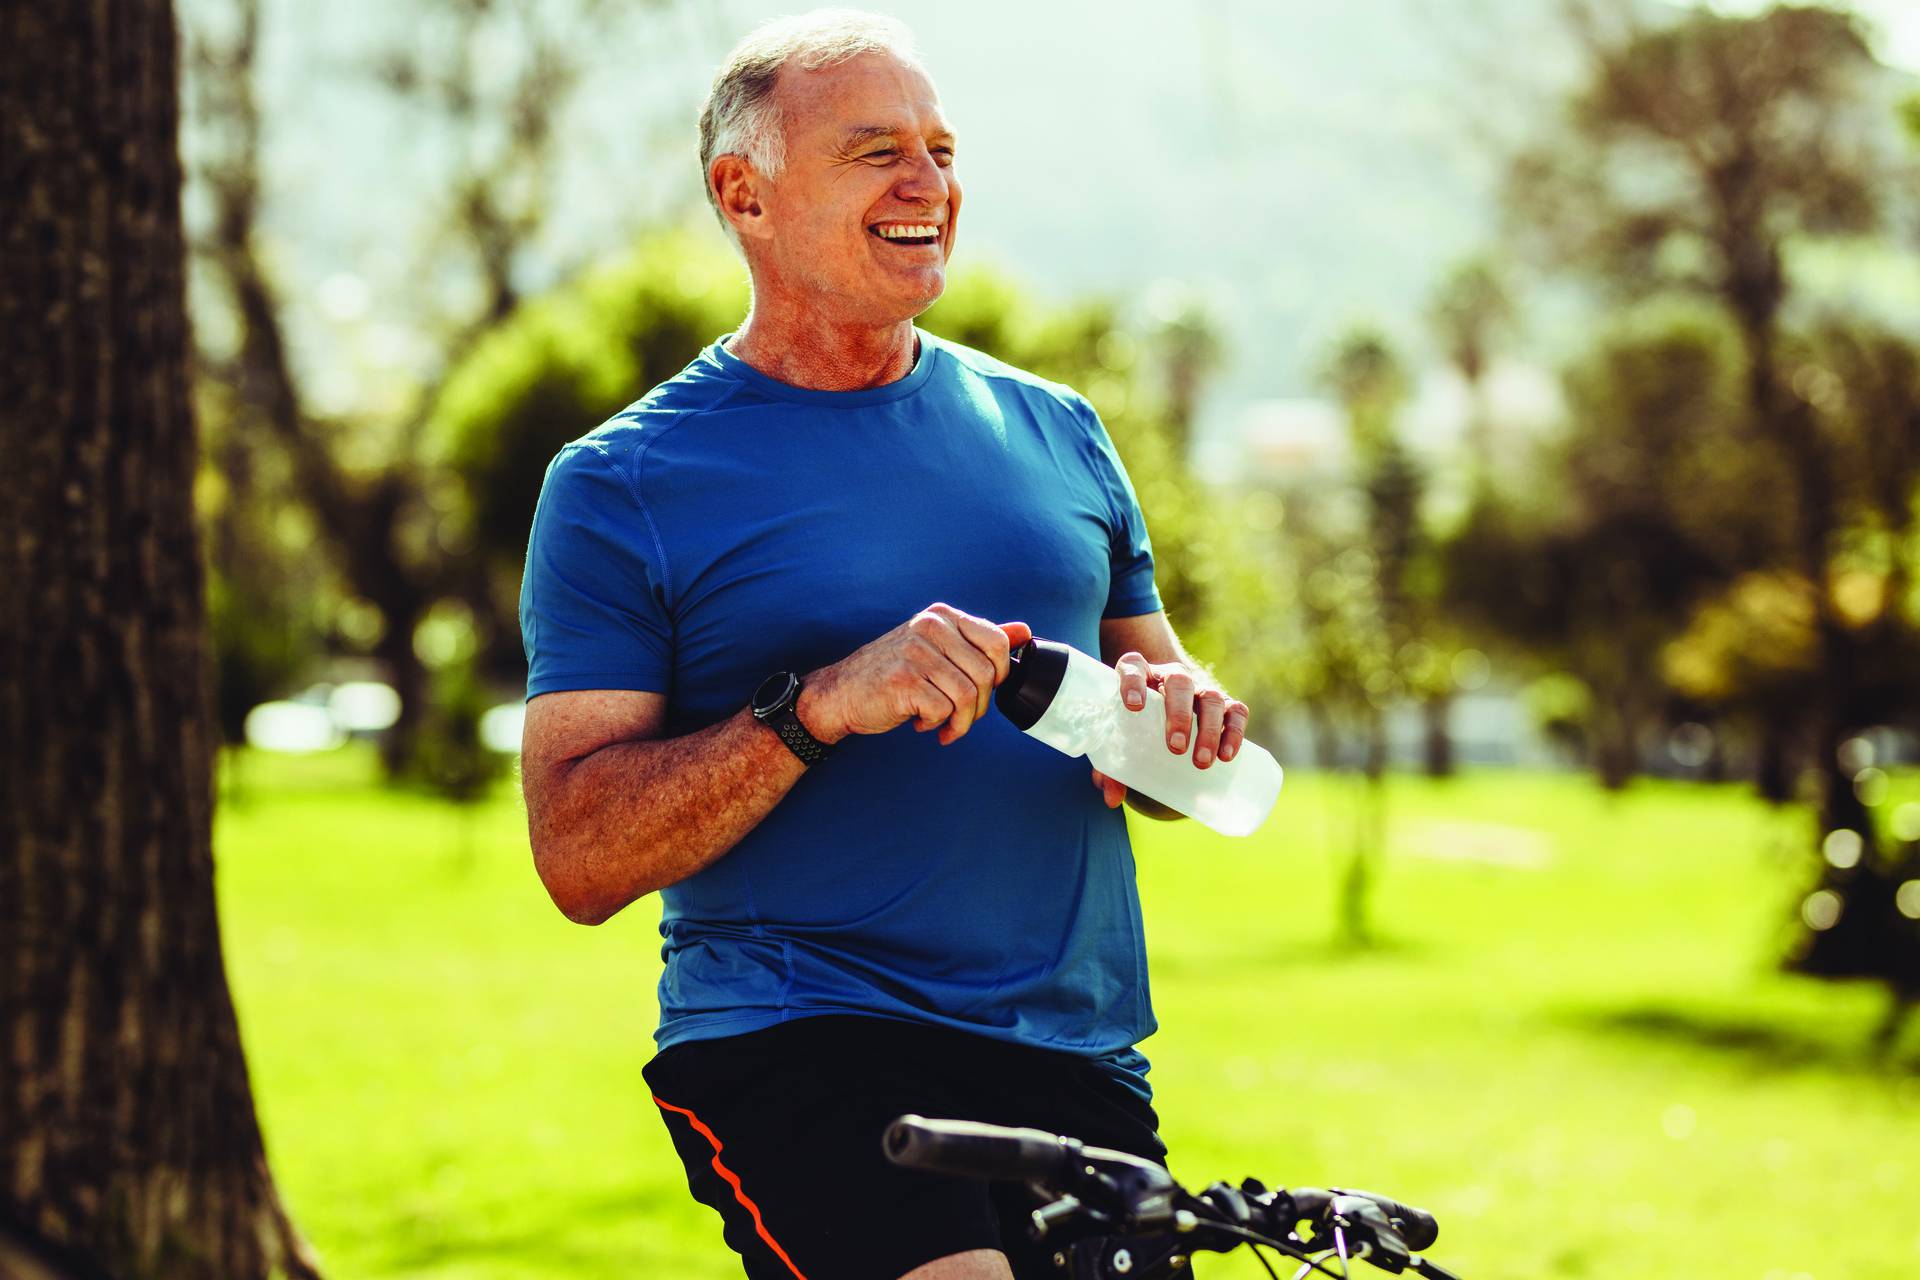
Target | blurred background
(1524,398)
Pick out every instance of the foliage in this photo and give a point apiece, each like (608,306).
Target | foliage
(1694,147)
(494,80)
(1637,512)
(452,761)
(561,364)
(1693,156)
(269,601)
(1471,312)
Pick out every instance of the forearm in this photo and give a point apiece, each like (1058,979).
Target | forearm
(633,817)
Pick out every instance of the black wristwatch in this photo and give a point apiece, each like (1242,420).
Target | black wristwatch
(773,706)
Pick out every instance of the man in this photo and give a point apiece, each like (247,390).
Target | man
(739,590)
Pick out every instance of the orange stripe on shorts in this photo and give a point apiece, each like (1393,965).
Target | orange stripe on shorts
(733,1180)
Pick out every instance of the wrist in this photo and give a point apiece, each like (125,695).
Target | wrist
(814,710)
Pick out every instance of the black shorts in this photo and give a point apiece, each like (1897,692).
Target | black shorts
(780,1130)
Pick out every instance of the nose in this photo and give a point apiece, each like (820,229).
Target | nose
(924,181)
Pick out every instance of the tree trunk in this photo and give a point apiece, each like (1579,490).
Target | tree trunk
(1436,711)
(1616,740)
(1369,845)
(128,1141)
(1773,774)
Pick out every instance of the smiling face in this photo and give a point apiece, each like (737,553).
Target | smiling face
(858,226)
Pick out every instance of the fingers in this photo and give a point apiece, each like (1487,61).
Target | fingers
(933,705)
(1135,674)
(960,689)
(1177,688)
(1234,731)
(986,638)
(1114,793)
(973,655)
(1210,709)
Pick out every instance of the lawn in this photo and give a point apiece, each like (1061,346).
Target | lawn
(1568,1040)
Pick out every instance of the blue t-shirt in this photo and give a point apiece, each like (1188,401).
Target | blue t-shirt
(729,525)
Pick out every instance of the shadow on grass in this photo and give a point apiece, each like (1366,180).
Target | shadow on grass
(1768,1045)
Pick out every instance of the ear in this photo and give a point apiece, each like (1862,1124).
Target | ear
(738,188)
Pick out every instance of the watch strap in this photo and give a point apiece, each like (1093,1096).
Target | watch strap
(784,720)
(803,744)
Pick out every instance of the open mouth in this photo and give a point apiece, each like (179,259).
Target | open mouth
(906,233)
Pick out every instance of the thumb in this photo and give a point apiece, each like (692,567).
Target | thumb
(1018,633)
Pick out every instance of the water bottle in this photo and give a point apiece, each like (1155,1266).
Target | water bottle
(1071,702)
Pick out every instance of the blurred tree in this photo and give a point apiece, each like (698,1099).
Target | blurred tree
(268,601)
(1861,385)
(1634,516)
(1694,154)
(1470,313)
(1689,157)
(455,763)
(1361,611)
(376,501)
(561,364)
(1187,344)
(128,1137)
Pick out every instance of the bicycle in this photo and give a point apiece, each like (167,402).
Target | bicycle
(1116,1216)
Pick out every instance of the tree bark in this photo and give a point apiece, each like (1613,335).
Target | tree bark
(128,1140)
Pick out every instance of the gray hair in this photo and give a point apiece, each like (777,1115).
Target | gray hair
(742,118)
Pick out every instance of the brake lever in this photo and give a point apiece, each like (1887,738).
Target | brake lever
(1067,1212)
(1368,1226)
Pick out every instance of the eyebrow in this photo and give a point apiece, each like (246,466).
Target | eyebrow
(861,135)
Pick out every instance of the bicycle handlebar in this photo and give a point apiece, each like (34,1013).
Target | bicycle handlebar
(973,1150)
(1100,1192)
(1416,1226)
(970,1149)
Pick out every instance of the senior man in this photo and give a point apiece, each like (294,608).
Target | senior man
(740,589)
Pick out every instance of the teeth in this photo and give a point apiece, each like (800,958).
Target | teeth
(897,231)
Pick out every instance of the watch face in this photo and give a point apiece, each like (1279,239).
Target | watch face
(773,691)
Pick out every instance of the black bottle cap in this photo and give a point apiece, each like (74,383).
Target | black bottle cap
(1034,673)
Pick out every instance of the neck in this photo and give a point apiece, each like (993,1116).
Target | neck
(802,350)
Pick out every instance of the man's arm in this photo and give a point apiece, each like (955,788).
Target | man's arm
(1147,653)
(616,811)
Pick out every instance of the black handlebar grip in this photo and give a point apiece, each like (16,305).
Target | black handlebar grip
(969,1149)
(1417,1226)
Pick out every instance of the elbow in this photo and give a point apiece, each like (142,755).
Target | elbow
(578,899)
(576,906)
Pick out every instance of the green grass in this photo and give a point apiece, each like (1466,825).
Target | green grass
(1568,1042)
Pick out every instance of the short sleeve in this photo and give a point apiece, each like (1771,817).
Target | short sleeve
(1132,592)
(594,599)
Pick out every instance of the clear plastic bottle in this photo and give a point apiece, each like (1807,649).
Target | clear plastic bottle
(1071,702)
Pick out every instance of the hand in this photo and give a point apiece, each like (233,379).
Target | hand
(1198,709)
(939,669)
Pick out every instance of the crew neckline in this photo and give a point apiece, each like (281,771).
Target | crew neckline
(734,367)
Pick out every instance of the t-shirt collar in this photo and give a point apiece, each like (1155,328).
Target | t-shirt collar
(734,367)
